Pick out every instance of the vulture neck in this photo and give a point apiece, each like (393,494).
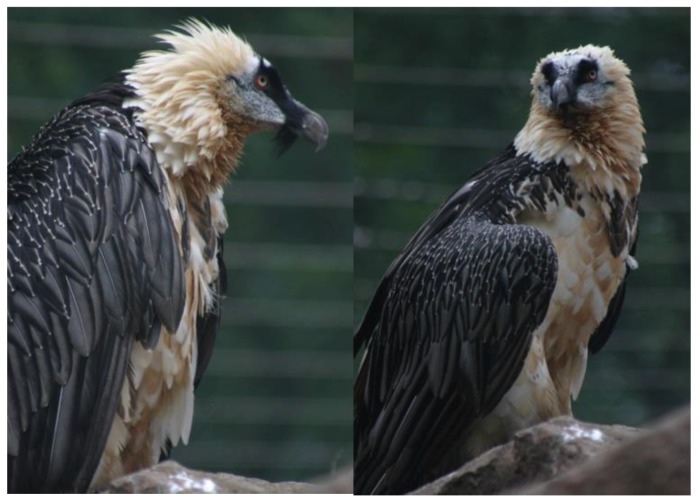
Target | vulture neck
(604,149)
(197,140)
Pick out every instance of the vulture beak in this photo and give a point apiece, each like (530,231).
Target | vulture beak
(563,94)
(314,128)
(301,121)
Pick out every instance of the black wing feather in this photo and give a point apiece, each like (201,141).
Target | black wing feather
(464,296)
(605,329)
(208,324)
(94,266)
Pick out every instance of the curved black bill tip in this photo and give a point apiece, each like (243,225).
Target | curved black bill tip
(302,122)
(314,129)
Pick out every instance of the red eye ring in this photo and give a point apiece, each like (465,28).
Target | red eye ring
(261,81)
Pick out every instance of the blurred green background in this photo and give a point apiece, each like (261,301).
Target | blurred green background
(275,402)
(436,94)
(439,92)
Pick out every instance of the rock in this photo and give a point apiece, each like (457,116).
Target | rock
(171,477)
(565,456)
(536,454)
(340,482)
(562,456)
(656,462)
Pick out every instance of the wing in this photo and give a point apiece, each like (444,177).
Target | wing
(208,324)
(453,334)
(605,329)
(475,197)
(93,266)
(201,216)
(447,330)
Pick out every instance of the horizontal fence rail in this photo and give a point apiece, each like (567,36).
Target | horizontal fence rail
(280,457)
(282,364)
(120,38)
(32,108)
(395,190)
(367,132)
(492,78)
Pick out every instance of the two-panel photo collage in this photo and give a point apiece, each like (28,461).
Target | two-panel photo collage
(369,251)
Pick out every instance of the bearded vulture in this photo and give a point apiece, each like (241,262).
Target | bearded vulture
(115,218)
(482,325)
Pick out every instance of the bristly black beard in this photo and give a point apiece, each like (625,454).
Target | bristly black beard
(285,137)
(571,115)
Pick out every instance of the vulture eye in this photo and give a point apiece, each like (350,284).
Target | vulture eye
(548,72)
(591,75)
(261,81)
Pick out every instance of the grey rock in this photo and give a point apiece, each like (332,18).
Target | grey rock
(656,462)
(171,477)
(536,454)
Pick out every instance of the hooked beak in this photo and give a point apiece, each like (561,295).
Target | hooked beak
(563,94)
(314,129)
(303,122)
